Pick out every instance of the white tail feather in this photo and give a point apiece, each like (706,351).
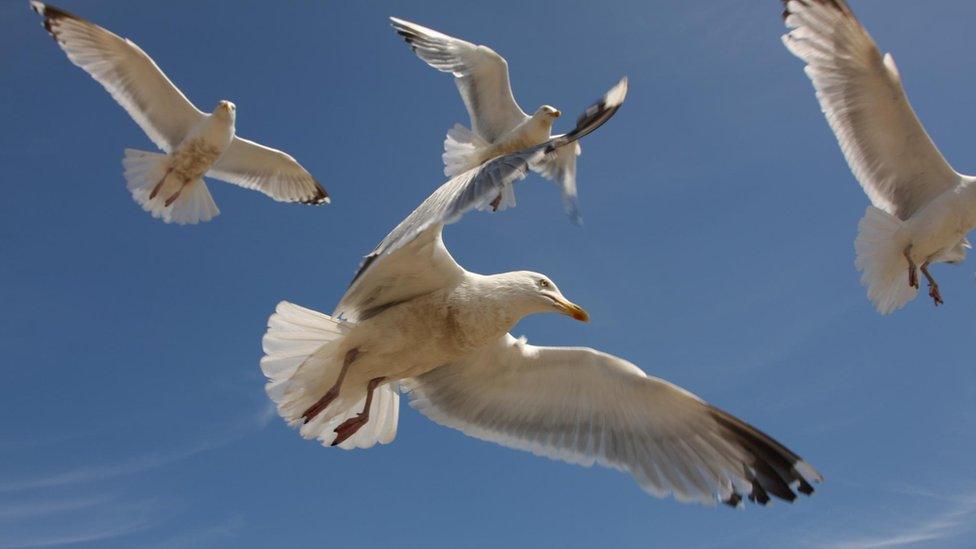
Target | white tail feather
(145,170)
(303,358)
(463,150)
(880,247)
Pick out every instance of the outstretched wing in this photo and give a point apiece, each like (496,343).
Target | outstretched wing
(481,76)
(129,75)
(583,406)
(861,95)
(412,260)
(273,172)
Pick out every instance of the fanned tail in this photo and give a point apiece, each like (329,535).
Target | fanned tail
(302,361)
(151,185)
(880,247)
(463,150)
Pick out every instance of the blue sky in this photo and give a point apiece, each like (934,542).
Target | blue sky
(717,253)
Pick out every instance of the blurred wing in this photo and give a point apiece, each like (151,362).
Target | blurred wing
(273,172)
(860,93)
(129,75)
(583,406)
(481,76)
(412,260)
(560,167)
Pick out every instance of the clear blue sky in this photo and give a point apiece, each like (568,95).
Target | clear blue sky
(717,253)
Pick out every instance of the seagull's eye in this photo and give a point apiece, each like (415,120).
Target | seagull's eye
(544,284)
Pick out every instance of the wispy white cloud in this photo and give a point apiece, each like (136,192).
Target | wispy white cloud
(203,537)
(211,441)
(39,508)
(88,535)
(956,519)
(117,521)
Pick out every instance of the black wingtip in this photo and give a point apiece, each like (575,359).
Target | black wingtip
(51,14)
(409,35)
(774,471)
(733,500)
(594,116)
(758,494)
(320,197)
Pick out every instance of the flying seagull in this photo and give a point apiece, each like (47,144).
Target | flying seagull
(415,318)
(170,186)
(498,125)
(921,208)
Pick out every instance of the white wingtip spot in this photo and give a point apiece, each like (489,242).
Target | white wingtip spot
(807,471)
(617,94)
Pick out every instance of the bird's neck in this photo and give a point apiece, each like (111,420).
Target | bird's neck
(492,305)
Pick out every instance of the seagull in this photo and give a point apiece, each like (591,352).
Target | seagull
(170,186)
(921,208)
(414,319)
(498,125)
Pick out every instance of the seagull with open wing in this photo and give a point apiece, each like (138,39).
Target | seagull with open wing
(498,125)
(414,318)
(921,208)
(196,144)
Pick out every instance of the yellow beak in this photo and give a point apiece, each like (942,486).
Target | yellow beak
(573,310)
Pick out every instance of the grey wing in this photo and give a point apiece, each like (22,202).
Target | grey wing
(583,406)
(127,73)
(273,172)
(412,260)
(481,76)
(560,167)
(861,94)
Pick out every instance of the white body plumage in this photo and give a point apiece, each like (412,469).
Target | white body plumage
(414,337)
(205,143)
(532,131)
(408,339)
(170,186)
(937,231)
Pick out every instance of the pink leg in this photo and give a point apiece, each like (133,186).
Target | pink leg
(495,203)
(159,185)
(333,392)
(912,268)
(176,195)
(933,287)
(353,424)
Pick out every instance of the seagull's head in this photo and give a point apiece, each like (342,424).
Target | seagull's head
(548,112)
(537,293)
(226,108)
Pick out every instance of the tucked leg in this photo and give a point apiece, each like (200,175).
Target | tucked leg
(332,393)
(176,195)
(912,268)
(353,424)
(496,202)
(159,185)
(933,286)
